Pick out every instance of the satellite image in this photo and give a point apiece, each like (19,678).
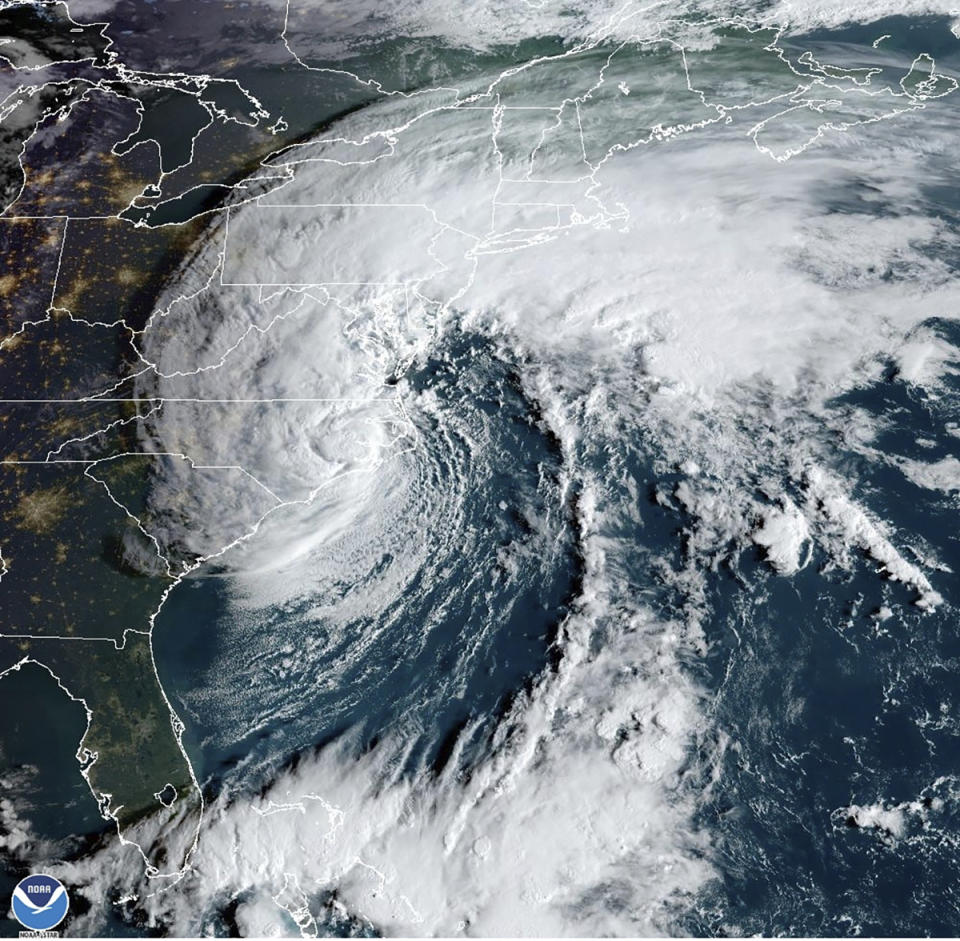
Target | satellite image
(479,469)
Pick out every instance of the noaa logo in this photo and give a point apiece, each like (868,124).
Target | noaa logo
(40,902)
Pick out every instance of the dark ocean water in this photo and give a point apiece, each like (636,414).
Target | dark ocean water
(829,707)
(461,640)
(37,749)
(823,704)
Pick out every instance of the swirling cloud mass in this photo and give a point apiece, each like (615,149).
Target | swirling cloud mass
(558,434)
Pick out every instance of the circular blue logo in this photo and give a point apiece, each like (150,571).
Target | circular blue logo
(40,902)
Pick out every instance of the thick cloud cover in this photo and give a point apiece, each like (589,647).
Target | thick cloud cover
(666,265)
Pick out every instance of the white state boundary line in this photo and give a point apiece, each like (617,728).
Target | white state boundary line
(818,77)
